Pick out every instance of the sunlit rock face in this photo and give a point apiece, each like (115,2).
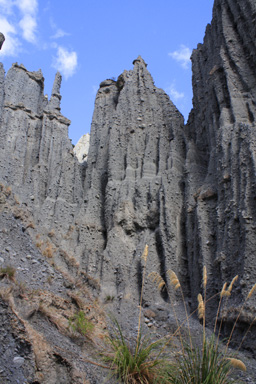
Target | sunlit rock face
(81,149)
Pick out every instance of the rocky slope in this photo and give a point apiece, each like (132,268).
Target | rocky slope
(186,191)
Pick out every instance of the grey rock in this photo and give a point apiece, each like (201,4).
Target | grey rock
(2,39)
(18,361)
(220,160)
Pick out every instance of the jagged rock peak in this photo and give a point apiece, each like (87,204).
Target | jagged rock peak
(139,60)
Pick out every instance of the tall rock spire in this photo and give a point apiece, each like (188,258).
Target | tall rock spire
(133,181)
(55,100)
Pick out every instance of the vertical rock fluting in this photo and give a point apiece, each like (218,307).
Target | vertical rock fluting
(221,152)
(129,192)
(36,156)
(133,188)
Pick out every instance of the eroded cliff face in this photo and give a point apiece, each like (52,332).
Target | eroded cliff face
(36,156)
(128,193)
(188,192)
(133,185)
(220,161)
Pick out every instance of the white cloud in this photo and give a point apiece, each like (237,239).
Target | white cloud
(11,45)
(28,23)
(59,33)
(27,6)
(182,56)
(174,94)
(65,62)
(6,6)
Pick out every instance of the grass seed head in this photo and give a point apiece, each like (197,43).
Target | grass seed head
(145,253)
(200,307)
(156,278)
(232,283)
(251,292)
(174,279)
(224,291)
(236,363)
(204,276)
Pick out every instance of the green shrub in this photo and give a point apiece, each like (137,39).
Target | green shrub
(139,363)
(79,323)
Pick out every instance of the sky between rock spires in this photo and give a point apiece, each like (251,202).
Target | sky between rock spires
(89,41)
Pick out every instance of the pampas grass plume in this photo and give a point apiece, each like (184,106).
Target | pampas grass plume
(251,292)
(224,292)
(232,283)
(174,279)
(156,278)
(204,276)
(237,364)
(145,253)
(200,307)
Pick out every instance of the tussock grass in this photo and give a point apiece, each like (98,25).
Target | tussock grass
(205,361)
(138,363)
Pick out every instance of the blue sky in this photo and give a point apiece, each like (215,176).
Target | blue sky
(91,40)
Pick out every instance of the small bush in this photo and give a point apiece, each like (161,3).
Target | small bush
(79,323)
(8,272)
(109,298)
(48,251)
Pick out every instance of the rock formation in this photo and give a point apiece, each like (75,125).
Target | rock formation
(2,39)
(220,154)
(81,149)
(186,191)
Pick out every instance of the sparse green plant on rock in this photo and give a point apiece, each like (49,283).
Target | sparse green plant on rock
(79,323)
(109,298)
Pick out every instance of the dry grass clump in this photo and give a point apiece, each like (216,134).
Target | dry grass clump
(69,260)
(91,281)
(7,191)
(49,250)
(8,272)
(51,233)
